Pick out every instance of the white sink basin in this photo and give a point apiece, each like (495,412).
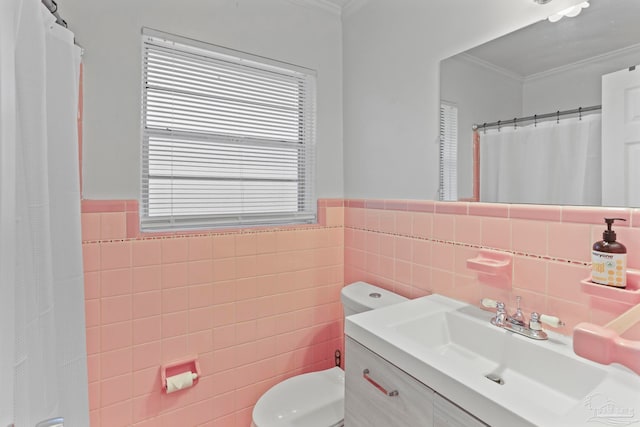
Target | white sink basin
(501,377)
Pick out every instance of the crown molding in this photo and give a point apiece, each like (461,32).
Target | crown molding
(579,64)
(352,6)
(488,65)
(325,5)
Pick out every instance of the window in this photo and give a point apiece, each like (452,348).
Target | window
(228,139)
(448,152)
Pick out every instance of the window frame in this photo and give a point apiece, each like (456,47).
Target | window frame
(304,145)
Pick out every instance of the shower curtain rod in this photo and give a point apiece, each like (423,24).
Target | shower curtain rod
(536,117)
(53,8)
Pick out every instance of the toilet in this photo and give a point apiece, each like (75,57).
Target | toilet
(316,399)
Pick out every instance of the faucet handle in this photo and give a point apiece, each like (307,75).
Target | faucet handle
(551,320)
(536,320)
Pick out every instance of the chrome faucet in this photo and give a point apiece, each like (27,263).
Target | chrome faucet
(516,322)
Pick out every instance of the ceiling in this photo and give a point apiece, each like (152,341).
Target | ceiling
(607,25)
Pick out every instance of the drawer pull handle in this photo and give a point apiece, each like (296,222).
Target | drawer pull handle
(365,375)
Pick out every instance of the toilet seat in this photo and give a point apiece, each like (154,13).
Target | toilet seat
(315,399)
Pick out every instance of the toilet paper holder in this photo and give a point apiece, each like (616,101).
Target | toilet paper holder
(180,367)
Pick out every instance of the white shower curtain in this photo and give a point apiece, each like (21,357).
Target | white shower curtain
(43,352)
(551,163)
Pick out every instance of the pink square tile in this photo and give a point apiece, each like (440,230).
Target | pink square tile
(225,269)
(115,336)
(246,266)
(468,229)
(530,273)
(146,330)
(374,204)
(147,355)
(224,246)
(564,282)
(115,282)
(200,319)
(146,252)
(404,223)
(594,215)
(386,221)
(175,299)
(497,210)
(94,396)
(147,304)
(94,340)
(355,203)
(395,205)
(630,238)
(174,348)
(200,272)
(92,312)
(113,225)
(91,256)
(115,255)
(115,390)
(224,315)
(175,250)
(200,248)
(118,415)
(93,368)
(421,206)
(115,309)
(529,236)
(92,285)
(402,272)
(335,217)
(422,224)
(265,242)
(146,381)
(200,295)
(496,233)
(90,226)
(245,244)
(115,363)
(570,241)
(133,225)
(146,408)
(455,208)
(443,256)
(175,324)
(200,342)
(93,206)
(444,227)
(224,292)
(569,312)
(146,278)
(635,218)
(537,212)
(174,275)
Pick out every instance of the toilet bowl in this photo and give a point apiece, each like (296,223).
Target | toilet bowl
(316,399)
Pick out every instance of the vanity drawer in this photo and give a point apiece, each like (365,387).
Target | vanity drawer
(369,379)
(447,414)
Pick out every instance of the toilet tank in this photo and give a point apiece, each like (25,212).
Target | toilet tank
(360,296)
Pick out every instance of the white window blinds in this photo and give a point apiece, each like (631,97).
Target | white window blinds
(448,152)
(228,139)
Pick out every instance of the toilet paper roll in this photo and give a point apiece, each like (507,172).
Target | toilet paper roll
(180,381)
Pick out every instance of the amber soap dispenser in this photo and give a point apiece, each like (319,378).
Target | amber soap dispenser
(609,259)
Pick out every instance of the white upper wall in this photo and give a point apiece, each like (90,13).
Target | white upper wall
(392,50)
(109,30)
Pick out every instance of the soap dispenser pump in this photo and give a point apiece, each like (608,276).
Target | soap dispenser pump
(609,259)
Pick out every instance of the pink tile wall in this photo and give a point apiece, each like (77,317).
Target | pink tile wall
(418,248)
(254,306)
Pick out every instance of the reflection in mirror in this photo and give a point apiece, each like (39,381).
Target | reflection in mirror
(544,68)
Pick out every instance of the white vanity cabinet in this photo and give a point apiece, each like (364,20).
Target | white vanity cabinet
(378,394)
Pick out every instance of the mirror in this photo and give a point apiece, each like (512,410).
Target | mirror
(539,69)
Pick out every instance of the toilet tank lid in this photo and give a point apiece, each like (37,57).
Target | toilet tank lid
(366,296)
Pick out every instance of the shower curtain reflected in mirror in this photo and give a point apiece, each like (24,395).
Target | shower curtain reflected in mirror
(548,163)
(42,298)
